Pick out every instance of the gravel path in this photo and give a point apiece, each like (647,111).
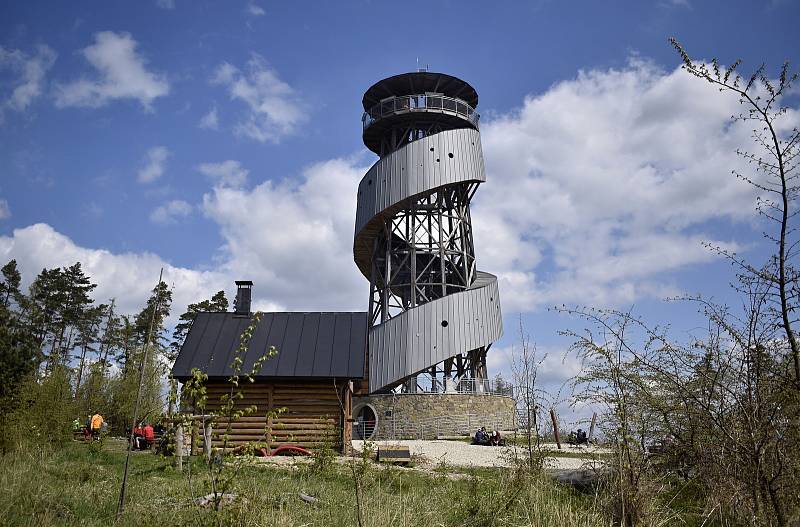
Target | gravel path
(459,453)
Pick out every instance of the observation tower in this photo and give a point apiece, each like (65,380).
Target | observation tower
(432,314)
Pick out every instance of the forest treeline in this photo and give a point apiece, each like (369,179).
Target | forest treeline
(65,355)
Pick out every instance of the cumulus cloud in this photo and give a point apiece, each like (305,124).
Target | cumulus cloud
(603,185)
(598,189)
(274,109)
(255,10)
(294,237)
(210,121)
(170,212)
(121,74)
(154,164)
(5,211)
(229,173)
(126,277)
(28,72)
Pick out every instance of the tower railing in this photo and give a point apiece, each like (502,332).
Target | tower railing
(419,103)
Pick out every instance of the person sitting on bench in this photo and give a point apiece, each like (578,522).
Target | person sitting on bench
(496,439)
(481,437)
(581,438)
(138,437)
(149,435)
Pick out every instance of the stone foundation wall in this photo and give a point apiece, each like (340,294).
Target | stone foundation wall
(431,415)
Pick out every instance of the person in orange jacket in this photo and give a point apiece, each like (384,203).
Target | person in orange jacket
(96,424)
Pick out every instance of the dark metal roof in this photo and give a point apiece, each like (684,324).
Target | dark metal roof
(418,83)
(308,344)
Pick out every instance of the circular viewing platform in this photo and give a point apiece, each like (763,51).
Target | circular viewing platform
(415,110)
(405,104)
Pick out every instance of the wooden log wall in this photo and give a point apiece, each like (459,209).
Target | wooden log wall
(310,416)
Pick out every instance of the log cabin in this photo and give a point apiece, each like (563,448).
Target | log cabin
(321,356)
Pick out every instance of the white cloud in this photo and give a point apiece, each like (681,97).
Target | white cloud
(676,3)
(294,238)
(255,10)
(600,187)
(5,211)
(122,74)
(29,76)
(274,110)
(170,212)
(229,173)
(166,4)
(154,163)
(126,277)
(210,121)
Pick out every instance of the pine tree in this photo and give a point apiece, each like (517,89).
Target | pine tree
(17,344)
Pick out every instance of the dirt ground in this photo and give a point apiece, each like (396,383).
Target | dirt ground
(459,453)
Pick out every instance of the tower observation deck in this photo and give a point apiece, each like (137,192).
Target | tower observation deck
(431,312)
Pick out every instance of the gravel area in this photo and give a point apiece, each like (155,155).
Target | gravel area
(459,453)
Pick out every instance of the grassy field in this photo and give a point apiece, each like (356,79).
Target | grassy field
(78,486)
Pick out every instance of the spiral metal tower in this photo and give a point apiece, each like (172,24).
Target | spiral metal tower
(431,312)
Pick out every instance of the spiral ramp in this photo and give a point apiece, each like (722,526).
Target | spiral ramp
(429,305)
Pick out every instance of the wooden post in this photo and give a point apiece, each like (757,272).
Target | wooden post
(591,428)
(347,418)
(207,429)
(555,427)
(269,418)
(179,445)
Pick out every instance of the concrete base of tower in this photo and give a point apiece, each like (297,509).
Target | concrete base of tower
(430,415)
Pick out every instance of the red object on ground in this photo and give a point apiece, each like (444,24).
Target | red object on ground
(291,450)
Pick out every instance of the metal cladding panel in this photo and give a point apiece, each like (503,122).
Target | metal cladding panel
(183,362)
(258,345)
(291,346)
(206,349)
(307,345)
(413,171)
(416,340)
(277,331)
(358,343)
(341,340)
(308,342)
(324,344)
(230,335)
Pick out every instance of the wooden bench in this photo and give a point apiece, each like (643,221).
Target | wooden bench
(394,454)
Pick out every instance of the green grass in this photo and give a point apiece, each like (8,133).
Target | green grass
(74,486)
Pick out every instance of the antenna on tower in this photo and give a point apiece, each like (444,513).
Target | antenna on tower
(421,69)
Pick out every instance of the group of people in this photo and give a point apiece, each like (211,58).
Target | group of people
(143,436)
(93,428)
(578,438)
(488,438)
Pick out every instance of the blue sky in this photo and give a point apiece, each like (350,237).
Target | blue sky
(223,141)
